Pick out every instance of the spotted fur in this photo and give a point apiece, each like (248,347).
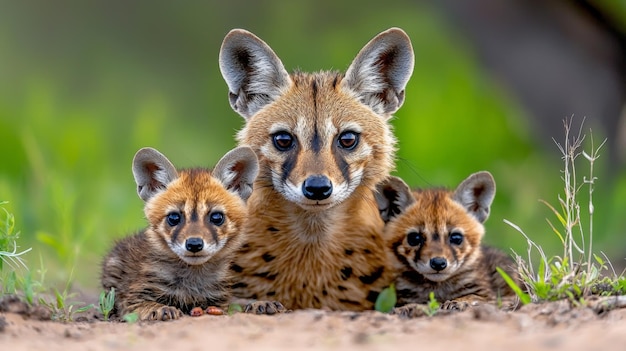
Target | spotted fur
(181,260)
(434,239)
(323,141)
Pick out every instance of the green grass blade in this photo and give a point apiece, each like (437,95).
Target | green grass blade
(556,213)
(556,231)
(524,297)
(85,308)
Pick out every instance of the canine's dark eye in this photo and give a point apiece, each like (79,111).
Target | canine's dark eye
(173,219)
(415,238)
(217,218)
(348,140)
(456,238)
(283,141)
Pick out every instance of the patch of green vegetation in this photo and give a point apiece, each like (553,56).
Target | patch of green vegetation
(432,307)
(578,273)
(15,277)
(106,303)
(23,284)
(62,307)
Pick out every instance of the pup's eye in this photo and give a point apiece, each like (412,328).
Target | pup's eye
(283,141)
(173,218)
(217,218)
(348,140)
(415,238)
(456,238)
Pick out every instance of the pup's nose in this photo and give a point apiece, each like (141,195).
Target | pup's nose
(438,263)
(194,244)
(317,187)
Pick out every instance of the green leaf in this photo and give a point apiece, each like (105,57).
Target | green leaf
(107,302)
(234,308)
(432,306)
(620,285)
(131,317)
(386,300)
(542,271)
(85,308)
(599,259)
(59,298)
(523,297)
(556,231)
(542,290)
(556,213)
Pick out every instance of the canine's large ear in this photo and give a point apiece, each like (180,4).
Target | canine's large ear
(237,171)
(381,70)
(393,196)
(476,194)
(254,74)
(152,172)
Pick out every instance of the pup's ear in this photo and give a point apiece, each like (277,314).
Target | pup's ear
(476,194)
(393,196)
(254,74)
(237,170)
(152,172)
(379,73)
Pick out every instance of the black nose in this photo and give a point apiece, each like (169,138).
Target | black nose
(317,187)
(194,244)
(438,263)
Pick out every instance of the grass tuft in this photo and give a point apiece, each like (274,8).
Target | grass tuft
(432,307)
(106,303)
(234,308)
(578,272)
(62,308)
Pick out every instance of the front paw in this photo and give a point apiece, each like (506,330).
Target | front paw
(264,307)
(457,305)
(412,310)
(163,313)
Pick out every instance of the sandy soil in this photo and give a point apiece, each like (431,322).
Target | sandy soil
(550,326)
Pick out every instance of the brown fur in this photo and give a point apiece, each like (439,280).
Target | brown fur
(154,272)
(437,214)
(323,252)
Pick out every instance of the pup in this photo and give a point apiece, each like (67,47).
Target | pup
(181,260)
(323,140)
(434,240)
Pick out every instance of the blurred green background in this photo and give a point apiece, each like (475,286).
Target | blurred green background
(84,85)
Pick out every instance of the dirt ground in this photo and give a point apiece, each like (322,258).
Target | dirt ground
(549,326)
